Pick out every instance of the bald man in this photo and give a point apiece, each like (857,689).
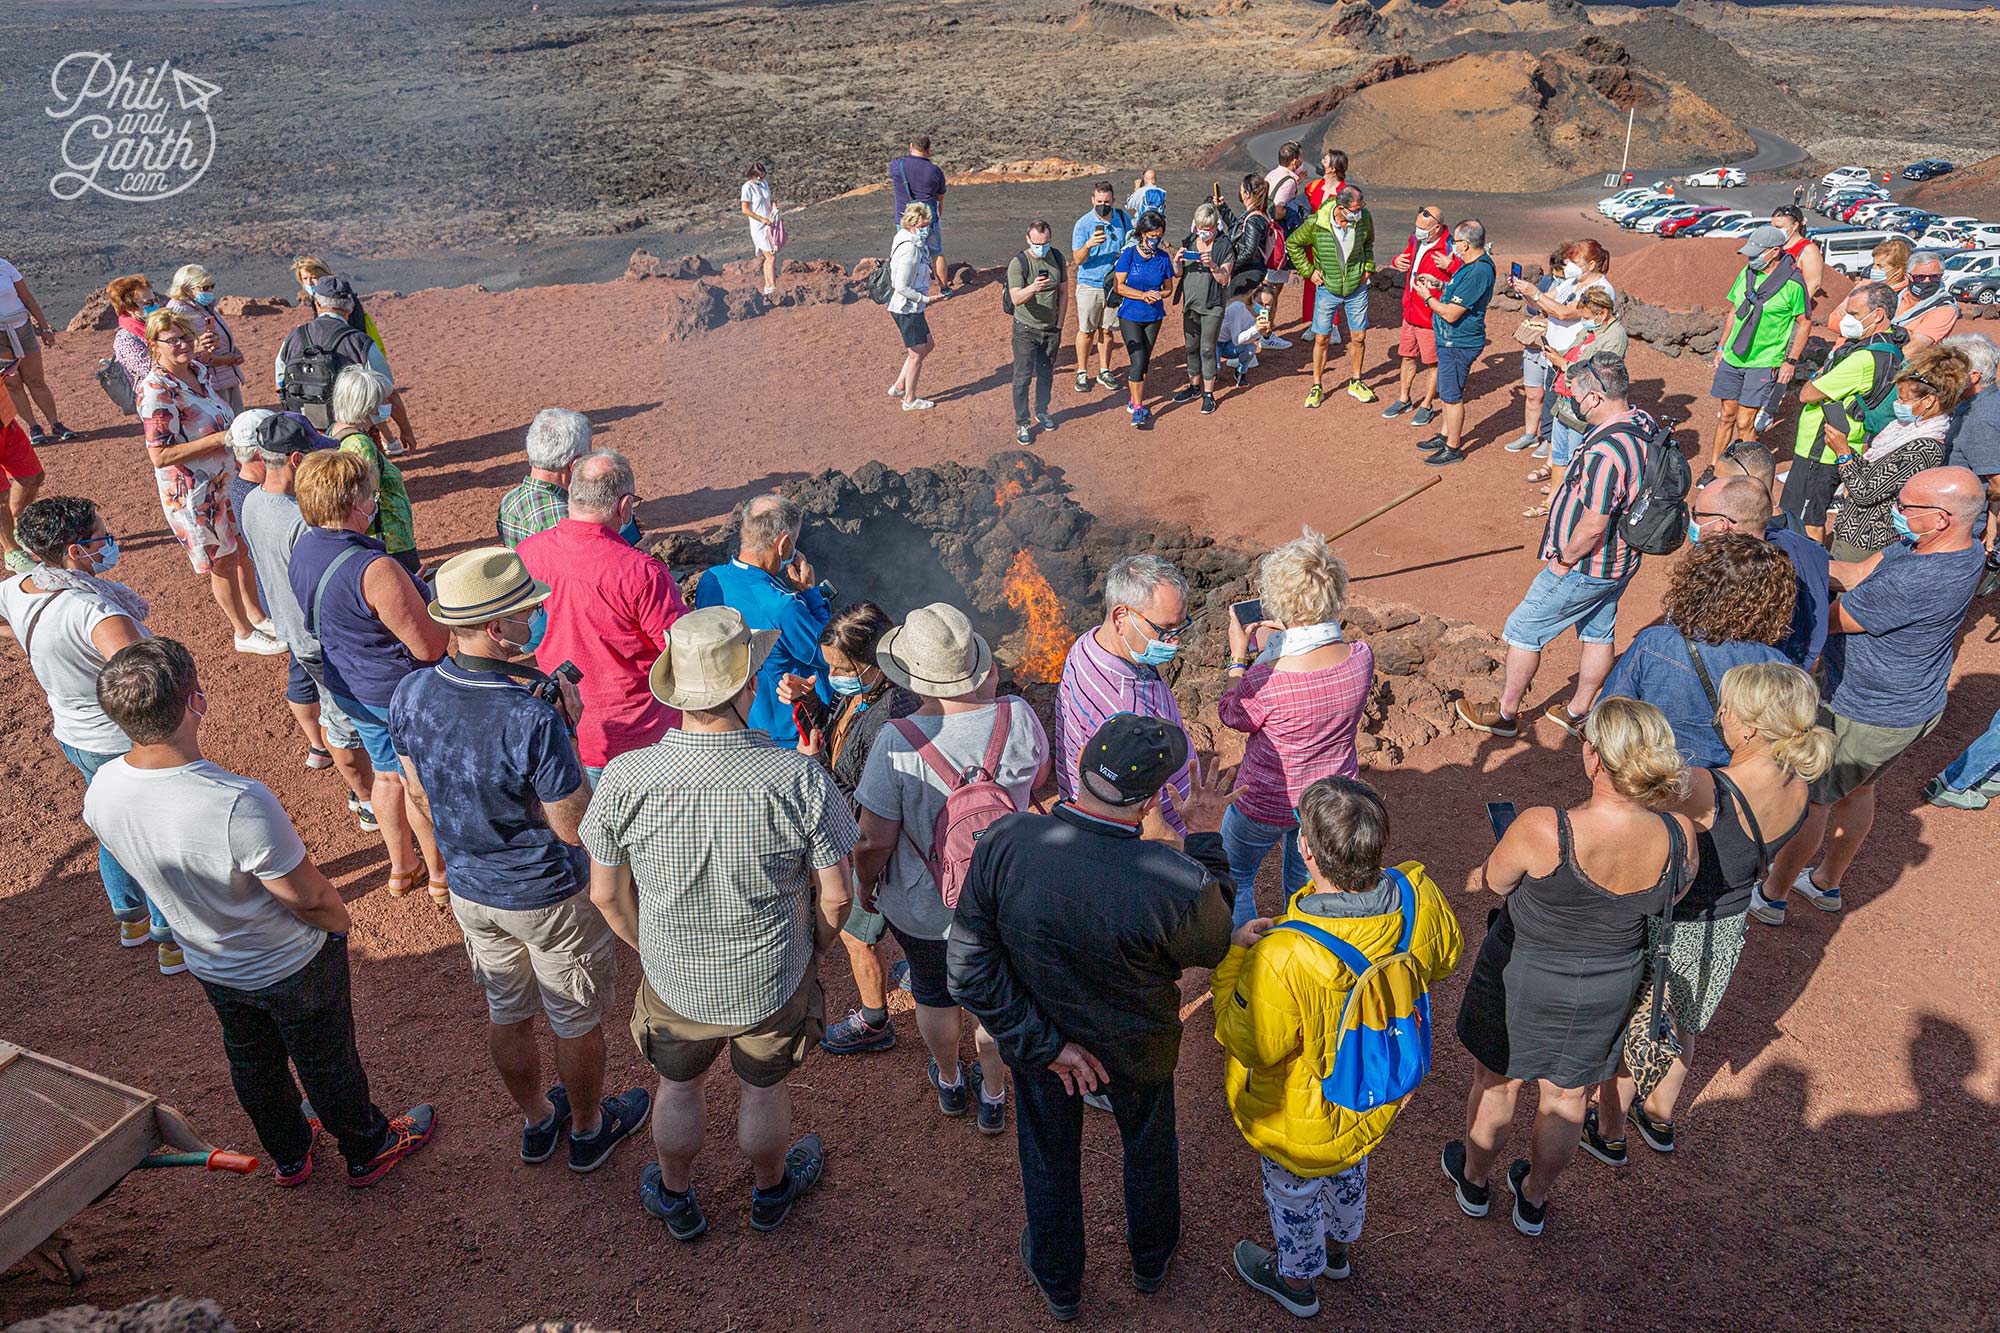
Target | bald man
(1742,503)
(1894,633)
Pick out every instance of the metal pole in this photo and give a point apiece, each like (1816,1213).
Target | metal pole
(1626,164)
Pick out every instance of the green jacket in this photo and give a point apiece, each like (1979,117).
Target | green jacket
(1313,246)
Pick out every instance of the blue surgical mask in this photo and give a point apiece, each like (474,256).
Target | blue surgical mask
(151,306)
(1877,274)
(1157,652)
(204,298)
(1904,412)
(1902,526)
(105,557)
(538,625)
(1038,248)
(1694,531)
(846,685)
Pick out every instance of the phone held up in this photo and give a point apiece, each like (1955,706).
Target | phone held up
(1514,270)
(1500,814)
(1248,613)
(809,714)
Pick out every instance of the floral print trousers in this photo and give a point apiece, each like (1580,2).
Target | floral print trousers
(1306,1214)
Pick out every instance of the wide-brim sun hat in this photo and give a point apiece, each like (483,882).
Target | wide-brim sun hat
(936,653)
(708,657)
(484,584)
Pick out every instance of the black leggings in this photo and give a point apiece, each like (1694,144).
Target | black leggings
(1139,340)
(1200,329)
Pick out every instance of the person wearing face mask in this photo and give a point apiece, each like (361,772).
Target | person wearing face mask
(1739,501)
(70,621)
(263,929)
(1335,250)
(1458,309)
(1145,275)
(1849,400)
(1251,251)
(1095,242)
(193,294)
(495,767)
(132,300)
(1893,638)
(557,437)
(1928,389)
(1581,269)
(1769,321)
(1598,332)
(1802,250)
(1974,437)
(371,620)
(1427,258)
(360,414)
(342,332)
(775,587)
(1926,311)
(1037,279)
(1204,294)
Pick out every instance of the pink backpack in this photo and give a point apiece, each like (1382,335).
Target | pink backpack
(976,802)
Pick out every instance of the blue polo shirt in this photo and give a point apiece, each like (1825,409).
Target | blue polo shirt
(1097,265)
(766,602)
(490,755)
(1471,287)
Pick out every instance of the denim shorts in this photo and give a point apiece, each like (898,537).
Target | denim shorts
(1454,369)
(1326,305)
(1554,604)
(1563,443)
(372,727)
(1536,372)
(340,730)
(934,233)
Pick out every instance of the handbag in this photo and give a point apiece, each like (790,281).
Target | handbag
(1652,1034)
(777,231)
(1530,331)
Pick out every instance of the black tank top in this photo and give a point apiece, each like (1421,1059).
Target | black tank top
(1566,912)
(1729,862)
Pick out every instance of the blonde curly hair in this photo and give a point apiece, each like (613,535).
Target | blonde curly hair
(1302,582)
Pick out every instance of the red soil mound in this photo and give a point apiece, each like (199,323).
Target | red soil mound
(1692,274)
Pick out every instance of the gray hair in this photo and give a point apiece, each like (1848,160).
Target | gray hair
(1472,231)
(1130,580)
(766,520)
(602,478)
(357,395)
(1348,196)
(1978,349)
(1207,215)
(1607,371)
(1876,296)
(557,437)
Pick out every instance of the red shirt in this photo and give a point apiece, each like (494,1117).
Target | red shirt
(609,609)
(1438,260)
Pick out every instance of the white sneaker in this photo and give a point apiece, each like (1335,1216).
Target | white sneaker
(1276,344)
(1826,900)
(918,405)
(895,391)
(1763,910)
(259,643)
(267,627)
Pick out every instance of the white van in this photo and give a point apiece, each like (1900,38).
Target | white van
(1853,252)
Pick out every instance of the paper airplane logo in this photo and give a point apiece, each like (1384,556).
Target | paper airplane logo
(194,93)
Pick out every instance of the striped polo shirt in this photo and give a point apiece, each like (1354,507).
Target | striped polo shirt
(1602,480)
(1097,683)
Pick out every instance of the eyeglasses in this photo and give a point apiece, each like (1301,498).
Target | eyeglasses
(1165,634)
(177,340)
(1902,508)
(1700,516)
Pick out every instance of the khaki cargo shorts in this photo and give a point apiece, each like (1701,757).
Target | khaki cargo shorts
(561,959)
(762,1054)
(1862,753)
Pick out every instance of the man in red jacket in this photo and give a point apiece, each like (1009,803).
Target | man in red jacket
(1427,251)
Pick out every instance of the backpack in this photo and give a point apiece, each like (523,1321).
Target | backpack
(1382,1046)
(975,802)
(117,386)
(1655,519)
(1024,260)
(310,372)
(881,287)
(1274,242)
(1878,405)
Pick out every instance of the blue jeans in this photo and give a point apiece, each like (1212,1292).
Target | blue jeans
(1563,442)
(128,900)
(1979,762)
(1247,842)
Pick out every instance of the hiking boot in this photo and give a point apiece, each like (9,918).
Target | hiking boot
(1083,381)
(1655,1134)
(803,1164)
(679,1211)
(1396,409)
(992,1115)
(1762,909)
(132,934)
(1259,1267)
(1106,380)
(1148,1283)
(1023,436)
(407,1133)
(1472,1199)
(1338,1266)
(1487,718)
(538,1142)
(1528,1217)
(1558,713)
(1187,393)
(1063,1311)
(1611,1152)
(619,1117)
(1360,392)
(1445,457)
(1315,396)
(952,1101)
(290,1177)
(1826,900)
(172,961)
(1424,416)
(1950,798)
(853,1036)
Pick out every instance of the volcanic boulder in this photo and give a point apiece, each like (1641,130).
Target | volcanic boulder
(1670,331)
(645,264)
(1108,18)
(159,1314)
(96,316)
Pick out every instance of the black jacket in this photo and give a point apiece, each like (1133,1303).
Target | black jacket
(1074,929)
(1249,241)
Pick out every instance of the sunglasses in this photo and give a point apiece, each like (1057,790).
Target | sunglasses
(1165,634)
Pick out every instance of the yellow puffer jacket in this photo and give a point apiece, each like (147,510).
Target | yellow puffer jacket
(1277,1011)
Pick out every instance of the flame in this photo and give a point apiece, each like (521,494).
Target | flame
(1006,493)
(1045,642)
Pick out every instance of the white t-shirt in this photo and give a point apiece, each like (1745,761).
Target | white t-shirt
(65,662)
(897,784)
(757,194)
(13,312)
(199,839)
(1563,333)
(1239,324)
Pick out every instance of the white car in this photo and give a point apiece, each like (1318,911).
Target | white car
(1623,197)
(1719,178)
(1974,268)
(1976,260)
(1984,233)
(1737,230)
(1938,236)
(1847,176)
(1632,206)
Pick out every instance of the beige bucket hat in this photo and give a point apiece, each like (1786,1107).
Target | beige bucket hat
(935,652)
(709,654)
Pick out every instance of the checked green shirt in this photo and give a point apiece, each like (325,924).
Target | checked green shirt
(531,507)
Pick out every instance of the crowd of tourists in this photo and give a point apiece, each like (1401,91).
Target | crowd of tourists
(570,747)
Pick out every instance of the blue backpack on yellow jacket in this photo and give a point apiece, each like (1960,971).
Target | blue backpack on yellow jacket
(1384,1045)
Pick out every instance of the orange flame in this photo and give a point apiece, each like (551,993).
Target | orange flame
(1045,642)
(1006,493)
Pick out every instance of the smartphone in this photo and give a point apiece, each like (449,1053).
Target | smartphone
(1248,613)
(809,714)
(1514,269)
(1500,814)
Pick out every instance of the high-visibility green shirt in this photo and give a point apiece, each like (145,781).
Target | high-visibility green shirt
(1849,378)
(1772,337)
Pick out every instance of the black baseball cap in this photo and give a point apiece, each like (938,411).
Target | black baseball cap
(333,287)
(282,433)
(1133,756)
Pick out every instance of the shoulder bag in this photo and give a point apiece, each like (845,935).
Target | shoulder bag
(1652,1034)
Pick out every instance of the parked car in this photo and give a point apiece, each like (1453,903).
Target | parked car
(1970,260)
(1718,178)
(1866,214)
(1707,223)
(1984,233)
(1650,223)
(1678,226)
(1939,236)
(1984,290)
(1847,176)
(1650,199)
(1976,274)
(1853,252)
(1735,230)
(1625,196)
(1838,200)
(1928,169)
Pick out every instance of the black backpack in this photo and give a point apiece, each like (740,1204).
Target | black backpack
(1655,519)
(310,372)
(881,287)
(1007,278)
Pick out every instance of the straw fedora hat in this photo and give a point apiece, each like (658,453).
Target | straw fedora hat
(935,652)
(709,654)
(484,584)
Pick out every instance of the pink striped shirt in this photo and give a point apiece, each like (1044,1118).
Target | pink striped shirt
(1097,683)
(1301,726)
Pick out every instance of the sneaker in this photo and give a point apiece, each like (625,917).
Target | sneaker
(1023,436)
(61,434)
(1259,1267)
(1063,1311)
(1338,1266)
(952,1101)
(267,626)
(1655,1134)
(1558,713)
(1950,798)
(1083,381)
(172,961)
(992,1115)
(1518,443)
(1528,1217)
(259,644)
(1360,392)
(679,1211)
(895,391)
(1275,344)
(1148,1283)
(1142,418)
(19,561)
(1396,409)
(1107,380)
(620,1116)
(297,1173)
(36,437)
(1472,1199)
(1487,718)
(1444,457)
(1046,422)
(363,812)
(803,1164)
(918,405)
(1315,396)
(899,975)
(1763,909)
(1097,1101)
(317,758)
(1208,404)
(1431,442)
(1187,393)
(1242,377)
(407,1133)
(132,934)
(538,1142)
(1611,1152)
(1826,900)
(1540,451)
(852,1035)
(1425,416)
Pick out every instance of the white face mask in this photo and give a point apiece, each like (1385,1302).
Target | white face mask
(1850,325)
(1572,270)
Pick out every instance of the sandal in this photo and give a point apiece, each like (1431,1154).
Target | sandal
(402,883)
(1539,511)
(1539,474)
(440,893)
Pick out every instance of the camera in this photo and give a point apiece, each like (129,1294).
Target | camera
(549,690)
